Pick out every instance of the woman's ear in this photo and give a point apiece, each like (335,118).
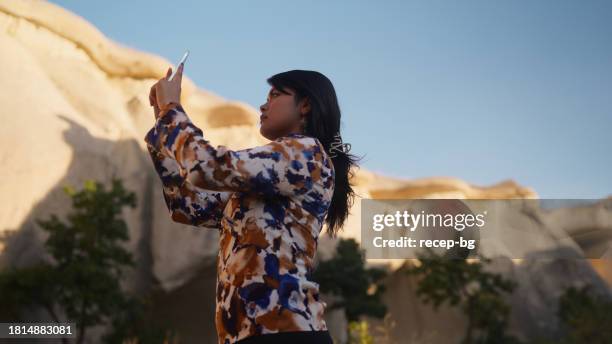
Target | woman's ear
(305,106)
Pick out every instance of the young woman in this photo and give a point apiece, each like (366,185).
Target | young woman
(268,202)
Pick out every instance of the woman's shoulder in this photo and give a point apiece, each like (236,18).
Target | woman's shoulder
(311,171)
(306,148)
(296,137)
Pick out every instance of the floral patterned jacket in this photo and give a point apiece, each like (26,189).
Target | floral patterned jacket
(268,203)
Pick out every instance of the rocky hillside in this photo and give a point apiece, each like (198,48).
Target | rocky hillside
(75,107)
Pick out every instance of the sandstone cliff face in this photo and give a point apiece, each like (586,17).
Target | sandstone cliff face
(75,107)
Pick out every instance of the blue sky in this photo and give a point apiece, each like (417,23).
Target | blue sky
(480,90)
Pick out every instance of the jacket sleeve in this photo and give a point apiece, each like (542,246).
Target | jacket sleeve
(186,203)
(285,166)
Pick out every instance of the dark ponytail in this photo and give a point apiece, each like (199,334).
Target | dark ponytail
(323,122)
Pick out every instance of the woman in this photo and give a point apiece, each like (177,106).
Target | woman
(268,202)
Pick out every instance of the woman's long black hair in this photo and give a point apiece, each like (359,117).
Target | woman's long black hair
(323,122)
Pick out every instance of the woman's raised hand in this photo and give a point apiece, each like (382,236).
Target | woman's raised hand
(165,92)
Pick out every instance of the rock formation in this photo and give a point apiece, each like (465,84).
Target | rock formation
(75,107)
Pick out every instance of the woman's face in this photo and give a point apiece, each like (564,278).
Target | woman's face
(280,115)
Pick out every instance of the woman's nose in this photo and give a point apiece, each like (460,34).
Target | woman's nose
(262,108)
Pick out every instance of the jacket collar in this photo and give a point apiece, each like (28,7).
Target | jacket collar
(296,135)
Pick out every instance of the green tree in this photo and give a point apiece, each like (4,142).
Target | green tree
(359,333)
(466,285)
(585,316)
(88,255)
(359,288)
(88,264)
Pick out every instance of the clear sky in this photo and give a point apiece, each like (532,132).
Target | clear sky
(479,90)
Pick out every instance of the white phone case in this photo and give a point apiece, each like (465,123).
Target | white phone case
(183,59)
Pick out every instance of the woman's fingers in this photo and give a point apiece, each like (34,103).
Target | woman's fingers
(153,94)
(164,92)
(153,99)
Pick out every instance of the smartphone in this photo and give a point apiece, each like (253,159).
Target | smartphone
(183,59)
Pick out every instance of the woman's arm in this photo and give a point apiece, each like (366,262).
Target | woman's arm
(284,166)
(186,203)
